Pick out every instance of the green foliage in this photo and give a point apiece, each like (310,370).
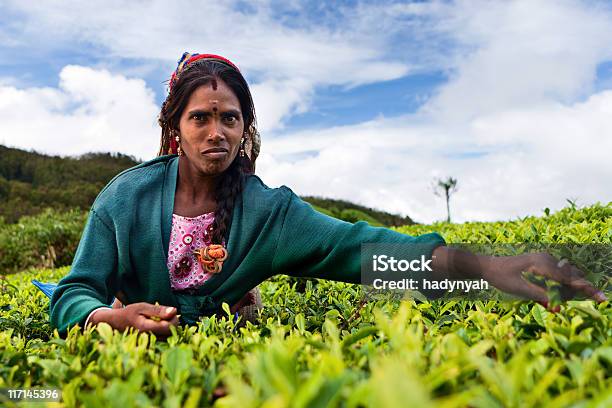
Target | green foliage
(326,346)
(302,354)
(349,215)
(352,212)
(31,182)
(352,215)
(45,240)
(570,225)
(564,234)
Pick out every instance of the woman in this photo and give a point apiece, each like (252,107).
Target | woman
(177,236)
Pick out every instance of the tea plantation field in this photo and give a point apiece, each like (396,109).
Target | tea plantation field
(320,344)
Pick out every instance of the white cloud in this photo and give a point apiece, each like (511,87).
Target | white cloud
(91,110)
(520,89)
(297,59)
(276,100)
(522,53)
(536,158)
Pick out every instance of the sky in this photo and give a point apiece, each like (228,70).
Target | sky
(370,102)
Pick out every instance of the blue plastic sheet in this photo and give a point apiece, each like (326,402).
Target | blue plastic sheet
(46,288)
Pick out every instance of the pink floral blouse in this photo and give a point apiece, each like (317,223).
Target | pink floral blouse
(188,233)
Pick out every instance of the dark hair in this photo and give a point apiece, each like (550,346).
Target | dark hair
(231,184)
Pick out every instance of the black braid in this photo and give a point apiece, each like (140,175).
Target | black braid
(230,187)
(164,123)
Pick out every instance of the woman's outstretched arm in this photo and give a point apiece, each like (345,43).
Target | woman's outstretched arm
(312,244)
(315,245)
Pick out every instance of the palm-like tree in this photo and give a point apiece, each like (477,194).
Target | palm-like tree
(446,187)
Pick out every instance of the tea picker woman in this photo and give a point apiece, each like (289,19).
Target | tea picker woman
(175,237)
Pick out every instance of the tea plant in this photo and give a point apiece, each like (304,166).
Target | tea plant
(319,343)
(47,240)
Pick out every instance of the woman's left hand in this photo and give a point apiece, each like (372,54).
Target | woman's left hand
(505,273)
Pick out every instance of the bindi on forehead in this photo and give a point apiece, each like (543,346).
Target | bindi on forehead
(213,82)
(214,103)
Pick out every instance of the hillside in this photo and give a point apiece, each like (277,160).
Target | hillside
(31,182)
(345,210)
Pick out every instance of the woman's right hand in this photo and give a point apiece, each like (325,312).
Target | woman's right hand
(142,316)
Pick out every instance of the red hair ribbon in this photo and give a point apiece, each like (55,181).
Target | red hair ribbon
(188,58)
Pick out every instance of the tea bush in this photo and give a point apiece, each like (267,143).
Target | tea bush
(570,225)
(326,346)
(48,239)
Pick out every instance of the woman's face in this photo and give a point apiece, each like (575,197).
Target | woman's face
(211,127)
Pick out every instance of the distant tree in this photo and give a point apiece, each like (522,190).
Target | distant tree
(446,188)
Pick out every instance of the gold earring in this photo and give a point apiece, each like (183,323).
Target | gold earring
(179,151)
(242,147)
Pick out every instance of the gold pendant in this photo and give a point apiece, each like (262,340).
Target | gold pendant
(211,257)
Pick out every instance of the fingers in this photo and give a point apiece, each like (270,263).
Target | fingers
(156,318)
(175,320)
(146,317)
(568,275)
(584,286)
(560,271)
(161,328)
(579,283)
(157,311)
(531,291)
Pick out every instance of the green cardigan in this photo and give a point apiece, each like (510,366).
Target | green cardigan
(124,246)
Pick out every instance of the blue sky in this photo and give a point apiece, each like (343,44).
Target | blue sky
(335,104)
(378,99)
(338,105)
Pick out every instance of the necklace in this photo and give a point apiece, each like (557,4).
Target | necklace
(211,257)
